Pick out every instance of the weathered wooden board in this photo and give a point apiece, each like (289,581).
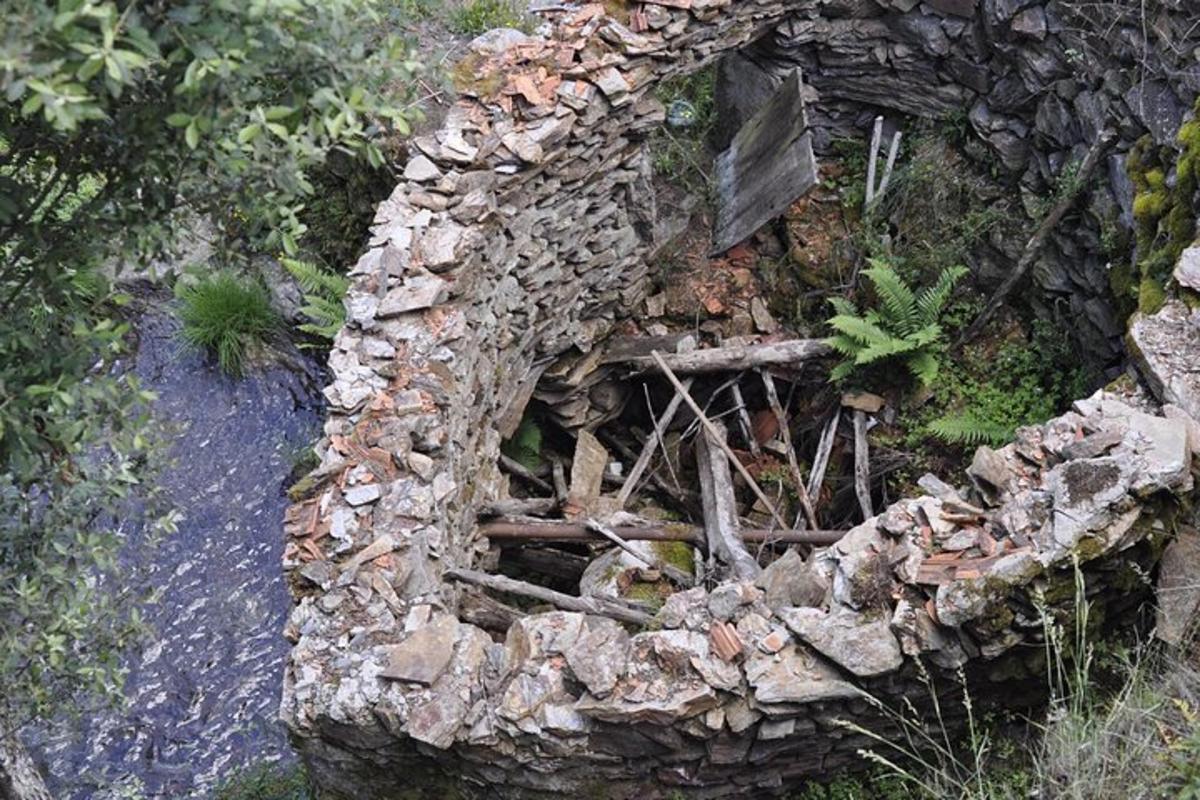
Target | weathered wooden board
(768,165)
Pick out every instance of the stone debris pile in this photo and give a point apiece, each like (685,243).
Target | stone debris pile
(522,229)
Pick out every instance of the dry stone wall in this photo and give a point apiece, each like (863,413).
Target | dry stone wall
(523,228)
(1032,83)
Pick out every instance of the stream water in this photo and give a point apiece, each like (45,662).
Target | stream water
(203,690)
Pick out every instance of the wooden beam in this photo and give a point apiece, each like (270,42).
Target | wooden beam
(862,465)
(601,606)
(738,357)
(720,506)
(518,530)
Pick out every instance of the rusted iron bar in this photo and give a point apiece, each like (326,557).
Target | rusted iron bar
(519,530)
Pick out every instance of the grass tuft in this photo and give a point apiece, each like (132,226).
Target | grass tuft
(479,16)
(227,316)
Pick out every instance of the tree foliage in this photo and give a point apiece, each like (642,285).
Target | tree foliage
(122,120)
(903,327)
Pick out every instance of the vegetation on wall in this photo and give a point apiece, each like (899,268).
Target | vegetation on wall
(679,150)
(474,17)
(323,293)
(1164,211)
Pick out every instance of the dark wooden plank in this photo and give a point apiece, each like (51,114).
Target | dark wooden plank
(768,165)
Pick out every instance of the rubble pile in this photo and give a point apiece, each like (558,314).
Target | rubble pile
(523,229)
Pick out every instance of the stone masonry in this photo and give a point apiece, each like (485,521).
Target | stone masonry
(522,229)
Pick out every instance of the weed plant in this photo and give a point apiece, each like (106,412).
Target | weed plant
(227,316)
(681,155)
(479,16)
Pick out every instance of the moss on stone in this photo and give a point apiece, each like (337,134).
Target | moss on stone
(677,554)
(303,489)
(1164,217)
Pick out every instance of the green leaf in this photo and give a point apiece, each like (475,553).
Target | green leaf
(191,134)
(249,133)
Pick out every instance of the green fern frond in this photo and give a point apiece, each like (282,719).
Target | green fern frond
(925,336)
(877,351)
(843,307)
(859,329)
(315,279)
(968,429)
(842,371)
(899,304)
(844,344)
(924,366)
(933,299)
(323,292)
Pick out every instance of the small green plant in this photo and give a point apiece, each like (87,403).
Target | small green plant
(479,16)
(268,782)
(1024,382)
(525,446)
(680,154)
(903,328)
(323,293)
(227,316)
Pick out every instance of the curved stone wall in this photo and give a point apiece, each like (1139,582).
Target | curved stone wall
(522,229)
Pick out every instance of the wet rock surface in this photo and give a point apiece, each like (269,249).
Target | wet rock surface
(203,691)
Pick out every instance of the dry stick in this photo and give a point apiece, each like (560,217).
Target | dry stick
(649,447)
(675,575)
(522,530)
(588,605)
(720,508)
(862,465)
(659,427)
(893,151)
(716,435)
(821,460)
(524,473)
(786,432)
(683,498)
(519,506)
(744,420)
(1038,240)
(876,136)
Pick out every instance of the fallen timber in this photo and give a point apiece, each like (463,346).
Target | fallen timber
(736,357)
(522,530)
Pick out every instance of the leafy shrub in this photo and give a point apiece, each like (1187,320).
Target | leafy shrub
(324,291)
(227,315)
(903,328)
(478,16)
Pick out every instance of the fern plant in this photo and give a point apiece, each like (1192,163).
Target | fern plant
(323,292)
(970,429)
(904,327)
